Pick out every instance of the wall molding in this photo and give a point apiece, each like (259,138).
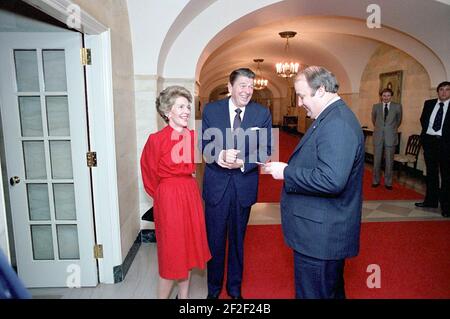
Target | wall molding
(144,236)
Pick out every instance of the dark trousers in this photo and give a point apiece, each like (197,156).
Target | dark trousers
(437,161)
(317,278)
(225,220)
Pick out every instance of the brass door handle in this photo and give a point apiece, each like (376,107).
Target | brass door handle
(14,180)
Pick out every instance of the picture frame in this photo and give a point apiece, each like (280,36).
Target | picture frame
(392,80)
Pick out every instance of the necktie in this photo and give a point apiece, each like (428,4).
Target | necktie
(237,119)
(438,119)
(236,125)
(386,111)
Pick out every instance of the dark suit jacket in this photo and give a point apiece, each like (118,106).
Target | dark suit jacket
(321,201)
(428,107)
(215,122)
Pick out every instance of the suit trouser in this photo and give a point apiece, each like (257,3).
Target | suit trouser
(437,160)
(226,219)
(317,278)
(389,152)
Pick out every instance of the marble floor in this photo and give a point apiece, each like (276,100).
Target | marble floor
(141,279)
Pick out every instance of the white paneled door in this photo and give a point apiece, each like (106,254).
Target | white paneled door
(43,114)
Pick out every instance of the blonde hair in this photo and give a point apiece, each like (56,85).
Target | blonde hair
(167,98)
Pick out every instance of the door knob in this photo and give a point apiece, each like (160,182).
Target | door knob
(14,180)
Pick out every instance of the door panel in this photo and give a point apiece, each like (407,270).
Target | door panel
(44,123)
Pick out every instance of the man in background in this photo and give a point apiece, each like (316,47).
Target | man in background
(435,137)
(386,118)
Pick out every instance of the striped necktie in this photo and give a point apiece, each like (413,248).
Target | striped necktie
(438,119)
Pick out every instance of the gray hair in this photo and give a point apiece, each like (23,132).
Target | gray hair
(167,98)
(317,76)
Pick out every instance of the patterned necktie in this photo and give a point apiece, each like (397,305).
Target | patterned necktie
(236,125)
(438,119)
(386,111)
(237,119)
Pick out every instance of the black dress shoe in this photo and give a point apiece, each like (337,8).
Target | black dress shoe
(212,296)
(388,187)
(426,205)
(375,185)
(445,214)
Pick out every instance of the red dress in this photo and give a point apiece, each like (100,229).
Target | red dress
(167,164)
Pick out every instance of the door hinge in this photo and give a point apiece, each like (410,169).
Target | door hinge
(98,251)
(91,159)
(85,56)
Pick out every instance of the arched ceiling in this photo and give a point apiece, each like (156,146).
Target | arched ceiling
(332,33)
(340,44)
(307,47)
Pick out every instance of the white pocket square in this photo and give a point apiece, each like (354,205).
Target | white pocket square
(255,128)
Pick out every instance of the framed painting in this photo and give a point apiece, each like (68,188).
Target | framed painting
(393,81)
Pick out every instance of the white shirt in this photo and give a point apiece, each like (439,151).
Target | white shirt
(232,108)
(430,130)
(388,105)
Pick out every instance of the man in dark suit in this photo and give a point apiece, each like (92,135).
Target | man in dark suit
(386,118)
(321,200)
(236,133)
(435,137)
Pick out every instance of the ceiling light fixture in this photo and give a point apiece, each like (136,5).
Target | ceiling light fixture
(287,68)
(259,83)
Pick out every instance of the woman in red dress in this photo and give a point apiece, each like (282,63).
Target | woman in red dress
(167,165)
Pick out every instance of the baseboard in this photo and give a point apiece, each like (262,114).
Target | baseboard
(148,236)
(144,236)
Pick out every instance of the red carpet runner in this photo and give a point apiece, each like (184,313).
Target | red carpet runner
(269,190)
(413,257)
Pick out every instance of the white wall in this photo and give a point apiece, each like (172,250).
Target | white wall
(149,22)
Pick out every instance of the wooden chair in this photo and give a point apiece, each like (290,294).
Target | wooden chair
(411,153)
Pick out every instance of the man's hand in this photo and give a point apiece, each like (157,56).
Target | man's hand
(276,169)
(228,159)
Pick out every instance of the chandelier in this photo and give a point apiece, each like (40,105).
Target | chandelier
(259,83)
(287,69)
